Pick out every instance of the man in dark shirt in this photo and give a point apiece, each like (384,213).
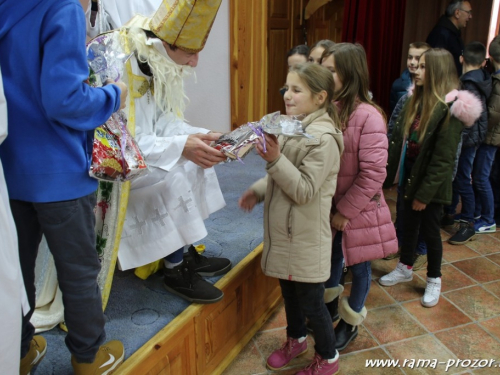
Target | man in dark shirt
(446,34)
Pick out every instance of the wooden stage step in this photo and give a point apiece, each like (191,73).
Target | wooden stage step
(204,339)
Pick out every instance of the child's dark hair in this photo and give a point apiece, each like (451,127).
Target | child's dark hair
(494,49)
(474,54)
(301,49)
(317,78)
(325,43)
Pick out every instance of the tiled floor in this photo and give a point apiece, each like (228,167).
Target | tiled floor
(464,325)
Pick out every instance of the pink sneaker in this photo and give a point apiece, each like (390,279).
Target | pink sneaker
(291,348)
(320,366)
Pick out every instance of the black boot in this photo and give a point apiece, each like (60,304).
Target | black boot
(344,334)
(183,281)
(333,308)
(206,266)
(347,328)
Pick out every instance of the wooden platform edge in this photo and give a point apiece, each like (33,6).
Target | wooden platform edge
(205,339)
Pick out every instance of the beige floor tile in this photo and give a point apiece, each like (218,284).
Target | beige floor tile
(485,244)
(475,302)
(480,269)
(470,342)
(356,363)
(422,348)
(392,323)
(443,315)
(452,253)
(248,362)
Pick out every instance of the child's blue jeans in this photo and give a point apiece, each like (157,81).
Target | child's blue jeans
(485,205)
(462,186)
(361,275)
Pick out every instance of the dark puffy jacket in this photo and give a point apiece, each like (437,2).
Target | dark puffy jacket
(478,82)
(399,88)
(446,35)
(493,134)
(395,114)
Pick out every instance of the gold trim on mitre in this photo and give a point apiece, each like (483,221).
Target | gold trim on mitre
(185,23)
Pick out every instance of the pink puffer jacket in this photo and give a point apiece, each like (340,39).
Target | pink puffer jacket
(370,233)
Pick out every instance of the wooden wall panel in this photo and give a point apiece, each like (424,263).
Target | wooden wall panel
(204,339)
(279,42)
(248,38)
(170,352)
(326,23)
(278,67)
(217,328)
(299,25)
(279,10)
(228,327)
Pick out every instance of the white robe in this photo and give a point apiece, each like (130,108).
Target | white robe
(115,13)
(13,299)
(166,207)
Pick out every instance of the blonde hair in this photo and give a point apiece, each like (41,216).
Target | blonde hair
(352,69)
(317,78)
(440,78)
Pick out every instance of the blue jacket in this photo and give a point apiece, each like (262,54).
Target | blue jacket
(446,35)
(395,114)
(52,112)
(478,82)
(399,88)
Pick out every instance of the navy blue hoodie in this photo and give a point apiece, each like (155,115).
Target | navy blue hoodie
(478,82)
(51,110)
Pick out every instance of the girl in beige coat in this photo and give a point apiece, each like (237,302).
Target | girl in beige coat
(298,189)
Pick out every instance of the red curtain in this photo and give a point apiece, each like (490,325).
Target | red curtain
(379,27)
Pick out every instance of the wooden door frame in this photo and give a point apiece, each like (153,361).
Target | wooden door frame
(249,59)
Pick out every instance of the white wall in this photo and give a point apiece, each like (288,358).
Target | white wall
(209,97)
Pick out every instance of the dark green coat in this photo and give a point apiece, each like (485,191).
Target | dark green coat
(493,133)
(431,175)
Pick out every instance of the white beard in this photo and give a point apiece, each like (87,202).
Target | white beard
(168,76)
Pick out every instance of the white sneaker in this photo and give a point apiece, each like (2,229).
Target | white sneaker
(400,275)
(482,227)
(432,292)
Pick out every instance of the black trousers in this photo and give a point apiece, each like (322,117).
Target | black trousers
(427,222)
(68,227)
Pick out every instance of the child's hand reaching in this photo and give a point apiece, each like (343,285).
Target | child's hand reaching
(418,206)
(247,201)
(272,148)
(339,221)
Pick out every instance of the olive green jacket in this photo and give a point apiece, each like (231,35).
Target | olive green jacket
(430,180)
(493,133)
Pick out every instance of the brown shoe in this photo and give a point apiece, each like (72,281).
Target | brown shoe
(36,352)
(419,261)
(394,256)
(108,358)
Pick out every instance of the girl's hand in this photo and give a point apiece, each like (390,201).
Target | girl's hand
(272,148)
(247,201)
(418,206)
(339,221)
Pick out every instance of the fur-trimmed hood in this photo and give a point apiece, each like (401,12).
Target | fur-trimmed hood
(464,105)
